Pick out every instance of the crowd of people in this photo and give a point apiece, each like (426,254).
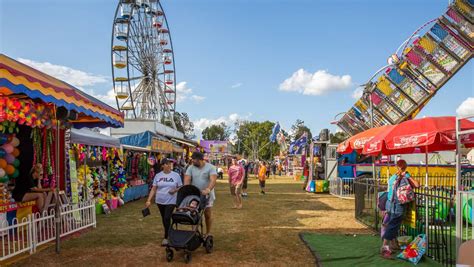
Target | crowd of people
(170,175)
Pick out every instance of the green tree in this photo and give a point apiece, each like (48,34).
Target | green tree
(252,140)
(298,129)
(338,137)
(218,132)
(183,124)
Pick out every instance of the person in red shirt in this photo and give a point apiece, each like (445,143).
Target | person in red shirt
(236,177)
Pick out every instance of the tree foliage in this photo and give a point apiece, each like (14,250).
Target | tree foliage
(338,137)
(252,140)
(183,124)
(298,128)
(218,132)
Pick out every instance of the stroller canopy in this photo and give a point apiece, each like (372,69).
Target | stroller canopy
(187,190)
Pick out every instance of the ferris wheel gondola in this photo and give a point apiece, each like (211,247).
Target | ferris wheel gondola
(143,68)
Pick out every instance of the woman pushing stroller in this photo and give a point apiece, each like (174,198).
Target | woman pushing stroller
(165,185)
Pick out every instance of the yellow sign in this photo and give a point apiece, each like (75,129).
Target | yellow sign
(162,146)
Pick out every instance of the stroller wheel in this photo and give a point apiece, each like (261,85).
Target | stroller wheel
(187,257)
(209,244)
(169,254)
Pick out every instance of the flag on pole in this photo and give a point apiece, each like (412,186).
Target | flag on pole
(275,131)
(298,145)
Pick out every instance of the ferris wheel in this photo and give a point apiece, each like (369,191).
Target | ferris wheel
(143,69)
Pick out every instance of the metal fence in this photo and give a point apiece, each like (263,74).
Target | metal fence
(467,206)
(38,229)
(342,187)
(432,213)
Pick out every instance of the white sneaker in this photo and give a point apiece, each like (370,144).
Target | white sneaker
(164,242)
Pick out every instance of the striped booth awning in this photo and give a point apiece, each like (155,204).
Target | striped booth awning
(19,79)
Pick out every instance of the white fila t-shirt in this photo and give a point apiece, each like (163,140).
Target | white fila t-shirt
(164,183)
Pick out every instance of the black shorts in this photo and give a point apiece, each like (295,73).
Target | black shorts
(261,183)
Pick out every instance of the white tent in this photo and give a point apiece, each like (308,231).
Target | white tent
(88,137)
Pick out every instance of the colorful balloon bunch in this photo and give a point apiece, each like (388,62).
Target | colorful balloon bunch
(8,157)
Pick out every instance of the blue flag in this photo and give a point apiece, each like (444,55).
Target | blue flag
(298,145)
(275,131)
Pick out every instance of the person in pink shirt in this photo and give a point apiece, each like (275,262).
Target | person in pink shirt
(236,177)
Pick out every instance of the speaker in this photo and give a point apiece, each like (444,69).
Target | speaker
(324,135)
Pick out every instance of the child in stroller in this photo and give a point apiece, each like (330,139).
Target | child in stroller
(191,205)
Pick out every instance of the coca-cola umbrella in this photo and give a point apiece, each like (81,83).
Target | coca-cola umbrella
(357,142)
(419,136)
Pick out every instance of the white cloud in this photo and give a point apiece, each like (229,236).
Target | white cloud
(237,85)
(466,108)
(183,93)
(357,94)
(72,76)
(317,83)
(197,98)
(109,98)
(229,120)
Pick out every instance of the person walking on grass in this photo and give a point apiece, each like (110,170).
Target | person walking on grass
(204,176)
(262,176)
(394,210)
(246,166)
(236,178)
(165,185)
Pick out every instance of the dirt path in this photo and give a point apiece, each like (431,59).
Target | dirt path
(264,232)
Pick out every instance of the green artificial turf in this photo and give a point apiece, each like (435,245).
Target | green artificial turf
(349,250)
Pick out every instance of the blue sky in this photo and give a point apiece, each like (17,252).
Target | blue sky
(236,53)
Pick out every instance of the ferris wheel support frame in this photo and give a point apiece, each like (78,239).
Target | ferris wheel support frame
(158,86)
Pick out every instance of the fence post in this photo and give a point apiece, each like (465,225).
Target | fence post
(31,231)
(94,215)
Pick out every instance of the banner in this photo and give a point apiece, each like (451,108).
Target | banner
(163,146)
(214,147)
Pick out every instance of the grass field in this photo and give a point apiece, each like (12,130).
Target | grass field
(264,232)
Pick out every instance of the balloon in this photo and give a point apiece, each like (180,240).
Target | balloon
(2,172)
(16,163)
(10,158)
(3,139)
(9,138)
(2,153)
(16,152)
(10,169)
(15,141)
(3,164)
(4,179)
(8,148)
(15,174)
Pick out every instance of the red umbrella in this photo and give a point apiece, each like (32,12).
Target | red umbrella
(419,136)
(357,142)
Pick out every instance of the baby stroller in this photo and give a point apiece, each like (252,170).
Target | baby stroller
(188,240)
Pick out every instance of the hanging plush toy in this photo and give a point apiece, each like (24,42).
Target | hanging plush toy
(104,154)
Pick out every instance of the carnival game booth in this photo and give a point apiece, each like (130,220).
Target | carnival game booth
(98,174)
(36,113)
(141,152)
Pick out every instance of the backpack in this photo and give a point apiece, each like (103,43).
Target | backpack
(405,193)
